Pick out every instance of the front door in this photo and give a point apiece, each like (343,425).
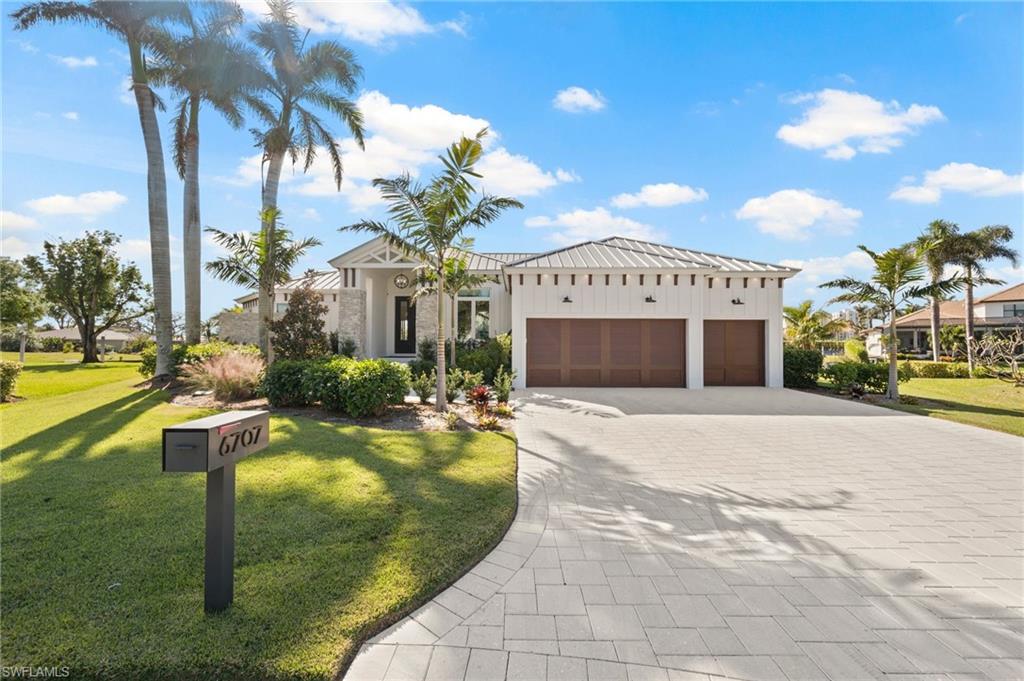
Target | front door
(405,325)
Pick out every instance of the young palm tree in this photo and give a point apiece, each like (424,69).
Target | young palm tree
(973,251)
(944,236)
(248,262)
(300,80)
(205,65)
(135,22)
(806,328)
(457,278)
(430,219)
(899,277)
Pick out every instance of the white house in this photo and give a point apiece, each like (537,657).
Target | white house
(615,312)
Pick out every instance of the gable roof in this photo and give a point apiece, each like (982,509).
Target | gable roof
(1007,295)
(323,280)
(949,311)
(621,252)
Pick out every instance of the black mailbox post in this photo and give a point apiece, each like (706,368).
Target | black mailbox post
(212,445)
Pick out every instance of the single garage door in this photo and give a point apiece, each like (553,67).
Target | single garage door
(734,352)
(605,352)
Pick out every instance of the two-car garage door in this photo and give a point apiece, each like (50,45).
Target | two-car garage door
(640,352)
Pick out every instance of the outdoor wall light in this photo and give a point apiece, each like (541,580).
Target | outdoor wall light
(737,301)
(650,299)
(566,299)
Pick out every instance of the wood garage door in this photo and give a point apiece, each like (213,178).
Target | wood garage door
(733,352)
(606,352)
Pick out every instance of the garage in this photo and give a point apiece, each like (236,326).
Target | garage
(605,352)
(734,352)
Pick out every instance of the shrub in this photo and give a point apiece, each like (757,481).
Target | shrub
(480,397)
(872,377)
(9,372)
(425,385)
(137,345)
(233,375)
(923,369)
(855,350)
(324,382)
(486,421)
(183,355)
(51,344)
(347,347)
(487,357)
(299,333)
(70,347)
(503,384)
(283,383)
(373,384)
(451,420)
(502,411)
(458,380)
(800,368)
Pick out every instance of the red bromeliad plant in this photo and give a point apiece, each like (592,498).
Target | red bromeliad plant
(479,396)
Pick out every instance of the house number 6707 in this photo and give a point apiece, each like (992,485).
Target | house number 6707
(229,443)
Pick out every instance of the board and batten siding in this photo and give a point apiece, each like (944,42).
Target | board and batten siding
(592,297)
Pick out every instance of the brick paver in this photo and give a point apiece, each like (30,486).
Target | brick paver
(736,533)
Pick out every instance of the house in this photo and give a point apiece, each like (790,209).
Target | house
(1000,311)
(612,312)
(115,339)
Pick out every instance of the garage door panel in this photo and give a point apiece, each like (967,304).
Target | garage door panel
(606,352)
(734,352)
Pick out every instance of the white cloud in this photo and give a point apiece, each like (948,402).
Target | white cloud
(311,214)
(814,271)
(125,94)
(843,123)
(790,213)
(966,178)
(506,174)
(89,205)
(575,99)
(660,196)
(13,247)
(567,176)
(139,250)
(9,220)
(26,46)
(70,115)
(373,23)
(246,174)
(582,225)
(75,62)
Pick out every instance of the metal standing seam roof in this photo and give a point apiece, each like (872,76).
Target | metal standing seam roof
(721,262)
(326,280)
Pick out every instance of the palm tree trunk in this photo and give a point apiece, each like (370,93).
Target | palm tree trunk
(265,304)
(191,236)
(455,330)
(159,234)
(894,389)
(969,321)
(441,403)
(936,350)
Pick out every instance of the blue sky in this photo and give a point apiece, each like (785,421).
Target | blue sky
(786,133)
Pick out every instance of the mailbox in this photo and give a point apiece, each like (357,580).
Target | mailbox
(213,445)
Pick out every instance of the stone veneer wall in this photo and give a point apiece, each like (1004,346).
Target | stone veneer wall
(426,318)
(352,317)
(239,327)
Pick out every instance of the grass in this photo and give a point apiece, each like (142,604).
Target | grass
(47,374)
(339,529)
(983,402)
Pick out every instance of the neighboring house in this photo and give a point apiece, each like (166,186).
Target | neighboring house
(614,312)
(1000,311)
(111,338)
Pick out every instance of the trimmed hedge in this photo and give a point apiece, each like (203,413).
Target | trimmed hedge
(872,377)
(924,369)
(800,368)
(357,388)
(9,372)
(191,354)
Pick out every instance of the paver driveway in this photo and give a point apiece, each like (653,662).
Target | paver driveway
(736,532)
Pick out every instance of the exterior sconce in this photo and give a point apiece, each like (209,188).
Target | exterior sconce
(650,299)
(737,301)
(566,299)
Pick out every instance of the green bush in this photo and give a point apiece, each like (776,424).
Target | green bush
(70,347)
(192,354)
(9,372)
(425,385)
(458,380)
(137,345)
(283,382)
(855,350)
(373,384)
(872,377)
(503,384)
(924,369)
(800,368)
(347,347)
(486,358)
(51,344)
(355,387)
(323,382)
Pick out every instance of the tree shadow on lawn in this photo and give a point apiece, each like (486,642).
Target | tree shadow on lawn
(931,404)
(337,530)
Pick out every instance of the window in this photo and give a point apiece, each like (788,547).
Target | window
(473,314)
(281,307)
(1013,310)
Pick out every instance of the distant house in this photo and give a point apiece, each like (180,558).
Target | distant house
(112,338)
(999,311)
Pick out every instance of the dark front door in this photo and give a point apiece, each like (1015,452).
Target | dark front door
(405,325)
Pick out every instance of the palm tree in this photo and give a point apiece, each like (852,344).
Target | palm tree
(299,79)
(806,328)
(430,219)
(248,262)
(135,22)
(944,235)
(973,251)
(898,278)
(457,278)
(205,65)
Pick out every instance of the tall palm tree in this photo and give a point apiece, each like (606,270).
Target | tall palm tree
(205,65)
(806,327)
(300,80)
(899,277)
(248,262)
(458,278)
(430,219)
(944,236)
(973,251)
(135,22)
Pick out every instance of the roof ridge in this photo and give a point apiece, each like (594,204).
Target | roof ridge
(709,253)
(534,256)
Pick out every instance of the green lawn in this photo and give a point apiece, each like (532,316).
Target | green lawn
(55,373)
(339,530)
(984,402)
